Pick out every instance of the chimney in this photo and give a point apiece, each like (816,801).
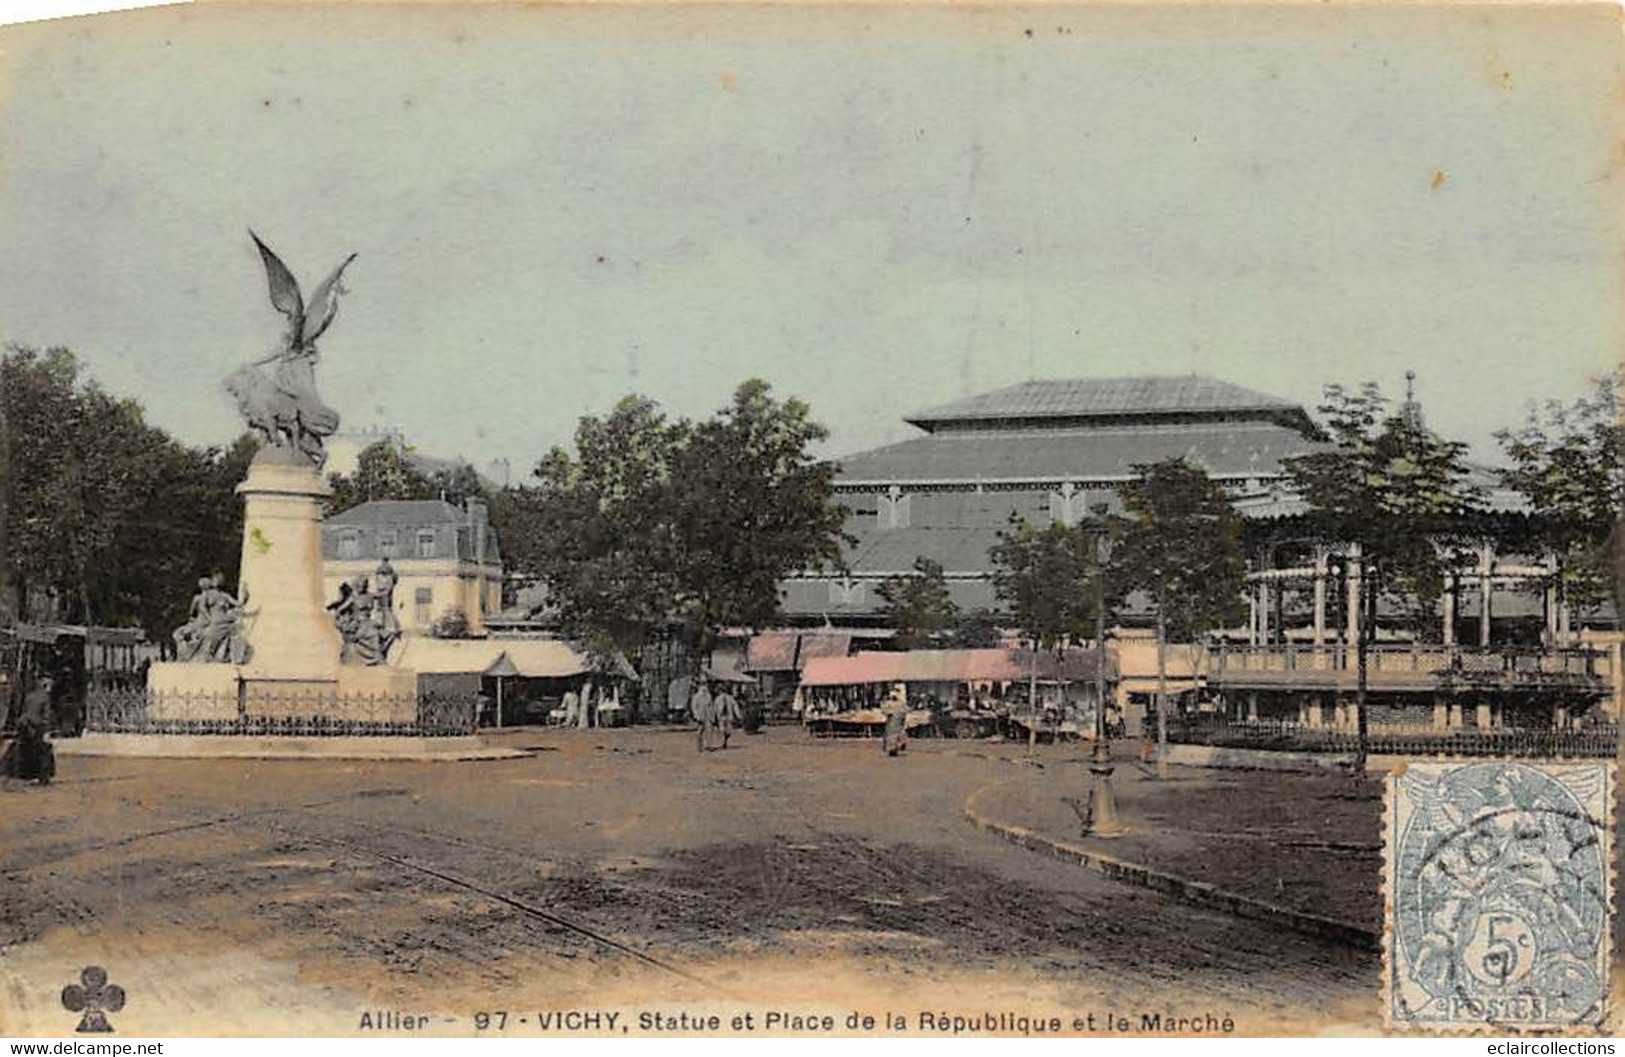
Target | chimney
(479,524)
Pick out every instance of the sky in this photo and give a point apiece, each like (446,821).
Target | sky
(875,209)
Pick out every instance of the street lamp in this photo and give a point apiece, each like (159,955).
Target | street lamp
(1102,820)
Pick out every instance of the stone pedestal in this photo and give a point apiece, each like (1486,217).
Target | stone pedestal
(293,670)
(293,641)
(192,691)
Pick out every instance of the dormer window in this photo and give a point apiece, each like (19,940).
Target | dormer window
(388,540)
(349,545)
(846,593)
(893,509)
(425,543)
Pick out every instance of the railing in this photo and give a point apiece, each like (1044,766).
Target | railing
(1496,663)
(1596,740)
(308,715)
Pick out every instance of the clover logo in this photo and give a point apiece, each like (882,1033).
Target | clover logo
(95,998)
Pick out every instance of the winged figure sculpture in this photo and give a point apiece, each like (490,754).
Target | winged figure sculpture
(281,405)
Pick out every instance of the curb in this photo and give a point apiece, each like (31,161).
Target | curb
(1197,893)
(227,747)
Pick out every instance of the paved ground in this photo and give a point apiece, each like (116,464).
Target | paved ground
(615,869)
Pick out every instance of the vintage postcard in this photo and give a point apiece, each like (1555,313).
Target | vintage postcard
(883,521)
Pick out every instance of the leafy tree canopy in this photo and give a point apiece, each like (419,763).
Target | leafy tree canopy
(1182,547)
(919,606)
(975,629)
(386,470)
(1569,461)
(1391,485)
(656,523)
(1047,579)
(108,516)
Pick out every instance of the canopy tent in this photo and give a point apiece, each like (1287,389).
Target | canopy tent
(788,651)
(723,671)
(952,666)
(528,658)
(500,669)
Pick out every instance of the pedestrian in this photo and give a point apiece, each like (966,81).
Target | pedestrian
(572,704)
(30,756)
(701,708)
(895,739)
(727,713)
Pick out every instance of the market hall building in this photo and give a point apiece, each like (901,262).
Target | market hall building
(1056,451)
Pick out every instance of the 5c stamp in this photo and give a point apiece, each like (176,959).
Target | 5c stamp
(1498,894)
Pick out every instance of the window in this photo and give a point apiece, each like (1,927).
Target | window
(349,546)
(423,603)
(425,543)
(387,541)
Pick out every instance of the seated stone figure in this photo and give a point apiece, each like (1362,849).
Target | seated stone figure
(213,633)
(360,616)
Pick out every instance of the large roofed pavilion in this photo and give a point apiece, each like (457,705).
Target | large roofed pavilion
(1045,451)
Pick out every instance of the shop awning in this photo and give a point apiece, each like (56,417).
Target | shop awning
(950,666)
(788,651)
(526,658)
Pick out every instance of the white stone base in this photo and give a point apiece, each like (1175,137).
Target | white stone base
(192,691)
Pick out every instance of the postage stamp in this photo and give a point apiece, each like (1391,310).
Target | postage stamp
(1498,894)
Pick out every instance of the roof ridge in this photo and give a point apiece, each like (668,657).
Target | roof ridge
(1088,396)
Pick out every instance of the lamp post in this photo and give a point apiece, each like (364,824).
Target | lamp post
(1102,819)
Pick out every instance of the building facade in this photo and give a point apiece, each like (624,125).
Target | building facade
(446,559)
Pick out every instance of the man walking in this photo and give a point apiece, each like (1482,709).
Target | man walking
(727,713)
(702,709)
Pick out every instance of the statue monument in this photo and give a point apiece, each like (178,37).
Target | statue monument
(366,618)
(295,647)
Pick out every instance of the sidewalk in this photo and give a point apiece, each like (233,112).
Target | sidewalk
(1308,845)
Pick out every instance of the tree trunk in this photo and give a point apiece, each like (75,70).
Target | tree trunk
(1162,695)
(1366,627)
(1032,700)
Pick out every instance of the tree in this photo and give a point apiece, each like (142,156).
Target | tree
(111,521)
(976,629)
(918,606)
(1397,492)
(1182,548)
(450,624)
(1569,461)
(595,527)
(657,527)
(750,505)
(386,469)
(1047,579)
(383,471)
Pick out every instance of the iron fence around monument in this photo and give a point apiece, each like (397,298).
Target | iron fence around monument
(305,715)
(1599,740)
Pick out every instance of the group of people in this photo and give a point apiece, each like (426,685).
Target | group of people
(716,715)
(30,756)
(580,710)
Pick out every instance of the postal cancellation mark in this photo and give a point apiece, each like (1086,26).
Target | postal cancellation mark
(1498,894)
